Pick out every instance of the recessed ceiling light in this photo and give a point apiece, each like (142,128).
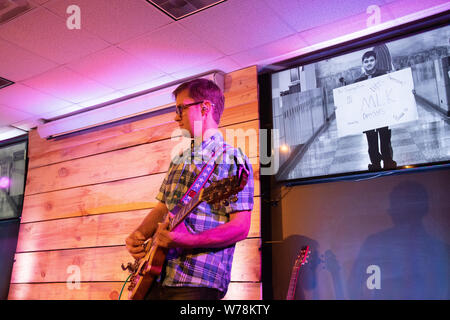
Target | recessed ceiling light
(10,9)
(178,9)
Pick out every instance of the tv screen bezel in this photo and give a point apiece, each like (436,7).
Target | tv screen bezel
(395,33)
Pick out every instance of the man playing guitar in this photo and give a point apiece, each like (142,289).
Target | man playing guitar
(200,249)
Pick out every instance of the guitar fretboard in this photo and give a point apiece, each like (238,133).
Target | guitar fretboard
(293,283)
(185,210)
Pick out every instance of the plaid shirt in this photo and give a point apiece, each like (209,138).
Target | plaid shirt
(203,267)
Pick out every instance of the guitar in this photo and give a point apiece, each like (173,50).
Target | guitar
(145,270)
(302,259)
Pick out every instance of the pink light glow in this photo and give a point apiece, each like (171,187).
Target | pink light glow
(4,182)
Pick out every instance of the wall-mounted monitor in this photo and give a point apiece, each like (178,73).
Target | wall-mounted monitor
(374,105)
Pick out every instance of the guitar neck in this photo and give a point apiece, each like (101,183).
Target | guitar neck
(185,210)
(293,283)
(301,259)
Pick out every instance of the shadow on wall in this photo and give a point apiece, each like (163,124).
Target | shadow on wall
(403,262)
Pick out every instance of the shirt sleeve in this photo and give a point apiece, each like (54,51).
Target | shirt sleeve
(161,196)
(245,196)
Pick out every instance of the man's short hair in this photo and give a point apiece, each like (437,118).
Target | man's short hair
(203,89)
(369,54)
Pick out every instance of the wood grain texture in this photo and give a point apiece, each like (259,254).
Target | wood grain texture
(94,199)
(40,146)
(241,87)
(108,291)
(79,232)
(103,264)
(102,198)
(61,291)
(101,168)
(93,230)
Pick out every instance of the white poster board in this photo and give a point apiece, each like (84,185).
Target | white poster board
(374,103)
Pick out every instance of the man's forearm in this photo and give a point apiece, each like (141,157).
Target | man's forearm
(150,222)
(222,236)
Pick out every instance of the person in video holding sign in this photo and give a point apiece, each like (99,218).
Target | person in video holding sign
(384,152)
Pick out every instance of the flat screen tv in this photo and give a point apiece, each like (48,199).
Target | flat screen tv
(368,107)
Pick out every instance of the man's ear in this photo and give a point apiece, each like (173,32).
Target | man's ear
(206,107)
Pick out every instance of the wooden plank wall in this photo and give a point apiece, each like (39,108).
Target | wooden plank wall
(85,194)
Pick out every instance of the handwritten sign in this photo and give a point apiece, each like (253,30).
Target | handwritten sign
(374,103)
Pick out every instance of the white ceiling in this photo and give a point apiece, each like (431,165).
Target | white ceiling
(127,46)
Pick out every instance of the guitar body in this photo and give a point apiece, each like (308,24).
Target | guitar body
(150,267)
(148,271)
(143,284)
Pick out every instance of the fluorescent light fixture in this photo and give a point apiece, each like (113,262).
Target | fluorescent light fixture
(127,107)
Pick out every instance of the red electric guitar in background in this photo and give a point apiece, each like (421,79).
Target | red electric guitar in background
(301,259)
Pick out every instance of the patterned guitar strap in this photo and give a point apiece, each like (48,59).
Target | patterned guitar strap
(199,181)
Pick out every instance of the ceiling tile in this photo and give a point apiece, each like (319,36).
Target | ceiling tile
(401,8)
(329,33)
(68,85)
(171,49)
(29,100)
(225,64)
(40,2)
(102,99)
(9,115)
(272,52)
(114,20)
(149,84)
(303,15)
(17,64)
(47,35)
(231,30)
(115,68)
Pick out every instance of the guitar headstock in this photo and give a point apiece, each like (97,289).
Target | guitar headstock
(303,255)
(225,190)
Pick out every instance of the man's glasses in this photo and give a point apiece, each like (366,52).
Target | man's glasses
(179,109)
